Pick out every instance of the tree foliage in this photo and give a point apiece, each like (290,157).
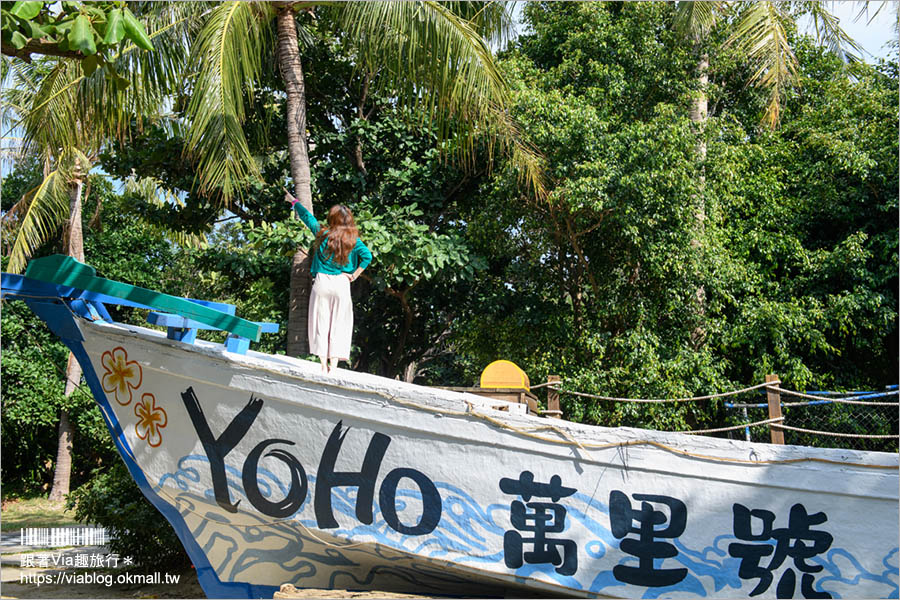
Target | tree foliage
(90,32)
(796,251)
(34,360)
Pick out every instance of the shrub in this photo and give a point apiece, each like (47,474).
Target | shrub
(112,499)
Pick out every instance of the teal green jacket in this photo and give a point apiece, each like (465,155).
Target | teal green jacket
(360,256)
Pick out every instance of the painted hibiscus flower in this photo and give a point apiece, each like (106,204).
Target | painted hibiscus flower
(151,420)
(121,376)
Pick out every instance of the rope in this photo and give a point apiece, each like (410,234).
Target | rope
(847,435)
(819,399)
(717,430)
(654,400)
(590,446)
(822,402)
(547,384)
(769,384)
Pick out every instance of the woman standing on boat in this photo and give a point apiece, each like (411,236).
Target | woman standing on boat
(338,258)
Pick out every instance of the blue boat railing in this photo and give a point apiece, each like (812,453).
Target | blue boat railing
(62,279)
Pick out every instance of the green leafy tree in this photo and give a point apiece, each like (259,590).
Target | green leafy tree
(91,32)
(598,284)
(809,234)
(34,360)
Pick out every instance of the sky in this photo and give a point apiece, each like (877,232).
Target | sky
(872,36)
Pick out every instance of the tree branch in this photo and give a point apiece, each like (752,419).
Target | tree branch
(397,353)
(574,240)
(357,150)
(39,47)
(595,225)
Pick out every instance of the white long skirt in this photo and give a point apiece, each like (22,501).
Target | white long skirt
(330,317)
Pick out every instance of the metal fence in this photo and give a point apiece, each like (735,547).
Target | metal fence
(862,420)
(870,423)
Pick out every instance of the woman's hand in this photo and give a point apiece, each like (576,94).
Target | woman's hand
(350,277)
(290,199)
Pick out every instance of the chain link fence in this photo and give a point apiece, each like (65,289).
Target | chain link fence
(852,426)
(852,420)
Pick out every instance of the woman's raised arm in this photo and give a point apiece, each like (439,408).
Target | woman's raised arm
(307,217)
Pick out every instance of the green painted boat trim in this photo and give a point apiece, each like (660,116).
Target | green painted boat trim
(65,270)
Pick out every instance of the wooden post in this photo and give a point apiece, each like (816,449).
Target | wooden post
(773,396)
(553,399)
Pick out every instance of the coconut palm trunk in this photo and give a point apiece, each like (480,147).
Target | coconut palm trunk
(62,471)
(298,151)
(700,103)
(698,116)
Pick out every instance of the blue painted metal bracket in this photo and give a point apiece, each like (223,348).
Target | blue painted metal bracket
(185,330)
(88,305)
(240,345)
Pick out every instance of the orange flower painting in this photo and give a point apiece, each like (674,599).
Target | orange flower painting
(121,376)
(151,420)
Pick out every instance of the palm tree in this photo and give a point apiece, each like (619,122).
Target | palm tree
(432,56)
(759,32)
(67,117)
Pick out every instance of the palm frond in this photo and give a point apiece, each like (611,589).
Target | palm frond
(153,77)
(143,70)
(527,161)
(228,59)
(492,20)
(51,115)
(864,11)
(173,26)
(434,60)
(760,34)
(5,63)
(829,32)
(36,218)
(695,20)
(154,192)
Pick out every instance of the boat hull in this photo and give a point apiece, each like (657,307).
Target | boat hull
(273,473)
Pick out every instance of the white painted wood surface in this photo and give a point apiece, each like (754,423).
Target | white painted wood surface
(819,521)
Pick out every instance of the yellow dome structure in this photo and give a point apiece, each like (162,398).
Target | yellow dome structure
(504,374)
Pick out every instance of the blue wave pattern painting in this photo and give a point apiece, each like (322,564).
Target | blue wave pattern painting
(469,535)
(289,545)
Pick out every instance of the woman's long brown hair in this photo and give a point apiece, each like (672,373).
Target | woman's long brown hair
(341,233)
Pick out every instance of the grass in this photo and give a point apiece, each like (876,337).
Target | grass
(34,512)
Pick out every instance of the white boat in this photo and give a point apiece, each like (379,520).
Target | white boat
(272,473)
